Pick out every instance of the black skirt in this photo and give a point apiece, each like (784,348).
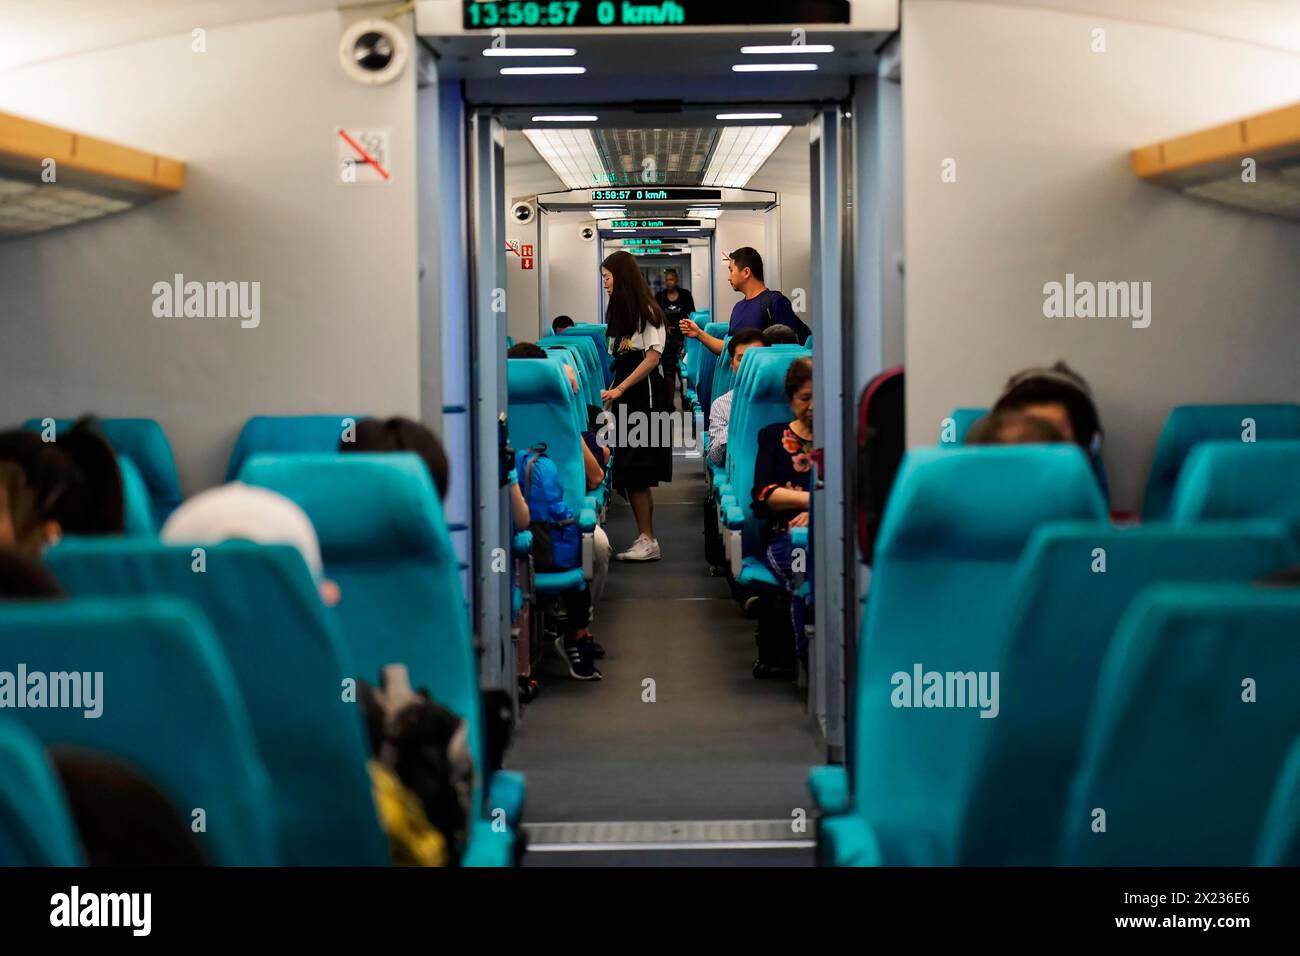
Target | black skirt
(643,455)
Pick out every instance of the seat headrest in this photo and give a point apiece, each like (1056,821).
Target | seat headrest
(365,506)
(762,371)
(531,380)
(1234,479)
(983,503)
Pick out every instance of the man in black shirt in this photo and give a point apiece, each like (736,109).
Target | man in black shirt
(677,304)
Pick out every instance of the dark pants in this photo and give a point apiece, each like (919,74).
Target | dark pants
(781,558)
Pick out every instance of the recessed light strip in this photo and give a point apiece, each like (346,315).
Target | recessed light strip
(544,70)
(773,67)
(530,51)
(565,119)
(789,48)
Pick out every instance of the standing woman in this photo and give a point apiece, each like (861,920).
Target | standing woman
(677,304)
(637,334)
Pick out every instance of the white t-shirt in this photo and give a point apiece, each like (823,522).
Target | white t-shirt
(650,339)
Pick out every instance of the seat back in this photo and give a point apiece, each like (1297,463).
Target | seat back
(280,434)
(708,364)
(36,825)
(1234,481)
(723,376)
(953,434)
(1279,839)
(585,349)
(1194,714)
(541,411)
(145,443)
(1189,425)
(1071,589)
(136,505)
(577,400)
(596,332)
(954,528)
(290,662)
(759,401)
(168,704)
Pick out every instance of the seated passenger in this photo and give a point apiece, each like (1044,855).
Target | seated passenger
(243,512)
(560,323)
(23,577)
(403,434)
(782,492)
(1013,428)
(74,484)
(780,335)
(720,410)
(1061,396)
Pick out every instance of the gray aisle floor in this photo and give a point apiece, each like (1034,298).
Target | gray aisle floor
(715,745)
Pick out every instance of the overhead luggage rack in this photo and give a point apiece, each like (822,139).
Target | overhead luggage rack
(1212,163)
(52,177)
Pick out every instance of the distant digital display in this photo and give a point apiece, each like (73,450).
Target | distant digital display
(664,194)
(653,223)
(486,14)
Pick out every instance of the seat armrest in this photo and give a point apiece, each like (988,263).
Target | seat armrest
(799,538)
(587,519)
(830,789)
(523,544)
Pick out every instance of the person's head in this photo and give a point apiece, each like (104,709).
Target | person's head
(560,323)
(1013,428)
(74,483)
(742,342)
(526,350)
(670,279)
(122,818)
(240,512)
(23,577)
(780,335)
(745,269)
(20,526)
(631,306)
(403,434)
(799,391)
(1058,395)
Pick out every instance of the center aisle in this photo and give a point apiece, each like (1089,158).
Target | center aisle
(715,744)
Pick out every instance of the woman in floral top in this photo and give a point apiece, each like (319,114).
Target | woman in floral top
(782,475)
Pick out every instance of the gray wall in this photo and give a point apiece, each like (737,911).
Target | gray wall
(1041,129)
(254,118)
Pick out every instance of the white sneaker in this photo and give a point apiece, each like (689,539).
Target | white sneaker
(643,549)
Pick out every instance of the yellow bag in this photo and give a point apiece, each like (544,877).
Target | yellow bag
(412,839)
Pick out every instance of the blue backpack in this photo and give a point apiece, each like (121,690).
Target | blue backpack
(557,540)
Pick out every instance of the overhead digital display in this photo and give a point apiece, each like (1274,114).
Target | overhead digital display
(486,14)
(662,194)
(652,223)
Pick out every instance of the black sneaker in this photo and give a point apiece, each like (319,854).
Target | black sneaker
(597,650)
(580,658)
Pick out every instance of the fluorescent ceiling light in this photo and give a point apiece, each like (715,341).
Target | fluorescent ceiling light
(565,119)
(624,230)
(703,213)
(688,228)
(790,48)
(571,153)
(743,116)
(530,51)
(545,70)
(740,152)
(771,67)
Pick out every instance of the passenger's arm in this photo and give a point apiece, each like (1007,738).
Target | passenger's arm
(787,499)
(519,508)
(693,331)
(595,474)
(647,365)
(719,414)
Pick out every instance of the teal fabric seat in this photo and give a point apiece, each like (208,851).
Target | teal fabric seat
(136,506)
(962,420)
(1189,425)
(286,652)
(557,582)
(759,401)
(1279,839)
(722,374)
(145,443)
(36,825)
(754,572)
(1194,714)
(596,332)
(942,585)
(1067,605)
(282,434)
(385,542)
(1236,481)
(708,364)
(540,412)
(169,706)
(585,348)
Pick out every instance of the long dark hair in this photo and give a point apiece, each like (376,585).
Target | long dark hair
(631,306)
(74,479)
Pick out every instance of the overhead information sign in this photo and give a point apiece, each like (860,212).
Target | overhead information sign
(652,223)
(487,14)
(661,194)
